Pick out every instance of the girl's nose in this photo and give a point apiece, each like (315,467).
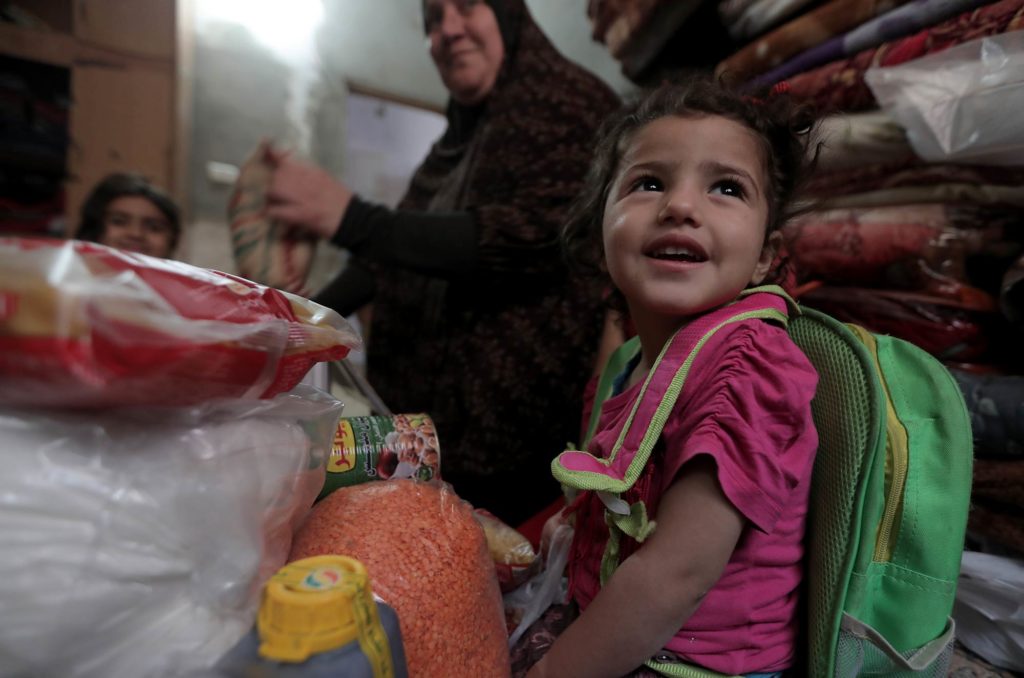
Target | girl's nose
(679,206)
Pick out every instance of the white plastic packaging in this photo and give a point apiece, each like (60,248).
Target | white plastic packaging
(961,104)
(546,588)
(989,608)
(135,542)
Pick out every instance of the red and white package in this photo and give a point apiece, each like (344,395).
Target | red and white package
(87,326)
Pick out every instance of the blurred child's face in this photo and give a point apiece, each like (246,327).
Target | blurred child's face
(684,222)
(133,223)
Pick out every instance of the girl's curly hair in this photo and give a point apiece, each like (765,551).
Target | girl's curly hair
(783,126)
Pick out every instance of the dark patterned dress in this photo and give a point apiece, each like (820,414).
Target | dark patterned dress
(499,356)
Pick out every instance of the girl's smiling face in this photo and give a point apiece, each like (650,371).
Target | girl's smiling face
(133,223)
(685,219)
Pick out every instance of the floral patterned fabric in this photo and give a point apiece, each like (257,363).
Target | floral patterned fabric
(840,85)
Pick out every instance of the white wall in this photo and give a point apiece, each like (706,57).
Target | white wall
(265,68)
(382,44)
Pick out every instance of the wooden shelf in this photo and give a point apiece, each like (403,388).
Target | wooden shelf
(121,57)
(49,47)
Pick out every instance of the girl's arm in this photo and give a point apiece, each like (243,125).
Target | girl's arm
(655,590)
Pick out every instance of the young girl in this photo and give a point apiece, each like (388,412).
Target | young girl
(127,212)
(686,195)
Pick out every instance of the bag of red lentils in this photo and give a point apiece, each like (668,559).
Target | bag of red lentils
(427,557)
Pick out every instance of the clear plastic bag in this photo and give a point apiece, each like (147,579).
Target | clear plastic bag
(88,326)
(960,104)
(548,587)
(135,542)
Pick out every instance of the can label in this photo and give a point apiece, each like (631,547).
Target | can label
(382,448)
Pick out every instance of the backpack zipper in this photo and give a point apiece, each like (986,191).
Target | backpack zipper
(897,458)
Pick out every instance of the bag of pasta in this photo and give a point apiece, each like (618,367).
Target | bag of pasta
(88,326)
(515,561)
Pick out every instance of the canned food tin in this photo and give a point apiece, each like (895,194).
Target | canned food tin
(382,448)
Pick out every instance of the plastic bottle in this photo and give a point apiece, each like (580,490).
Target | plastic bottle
(318,618)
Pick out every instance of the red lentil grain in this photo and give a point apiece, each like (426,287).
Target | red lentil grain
(427,557)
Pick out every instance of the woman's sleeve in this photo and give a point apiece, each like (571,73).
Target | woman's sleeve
(441,244)
(350,290)
(755,421)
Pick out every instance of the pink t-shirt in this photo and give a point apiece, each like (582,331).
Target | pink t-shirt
(746,403)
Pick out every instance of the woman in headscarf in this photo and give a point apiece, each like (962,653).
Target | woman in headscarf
(476,320)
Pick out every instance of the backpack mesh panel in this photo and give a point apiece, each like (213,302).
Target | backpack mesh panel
(858,657)
(844,408)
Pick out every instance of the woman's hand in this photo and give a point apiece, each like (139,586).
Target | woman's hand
(305,196)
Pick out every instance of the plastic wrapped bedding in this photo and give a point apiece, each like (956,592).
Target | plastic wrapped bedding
(135,542)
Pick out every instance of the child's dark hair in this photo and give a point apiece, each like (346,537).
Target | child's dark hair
(119,185)
(783,126)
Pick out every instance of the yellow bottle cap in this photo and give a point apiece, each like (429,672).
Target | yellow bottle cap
(313,605)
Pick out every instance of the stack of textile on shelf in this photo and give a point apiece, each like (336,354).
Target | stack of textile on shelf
(651,38)
(916,224)
(34,107)
(613,22)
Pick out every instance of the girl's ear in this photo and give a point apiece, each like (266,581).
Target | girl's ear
(764,263)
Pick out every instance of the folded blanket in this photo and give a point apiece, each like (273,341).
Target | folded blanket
(802,33)
(997,502)
(922,248)
(840,86)
(761,15)
(943,329)
(971,194)
(614,21)
(913,172)
(1011,293)
(731,10)
(892,25)
(996,406)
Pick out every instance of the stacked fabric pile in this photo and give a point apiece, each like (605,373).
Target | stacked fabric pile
(651,38)
(920,249)
(34,107)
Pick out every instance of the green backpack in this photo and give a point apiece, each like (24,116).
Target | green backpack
(889,499)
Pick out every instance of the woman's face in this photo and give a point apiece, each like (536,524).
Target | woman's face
(133,223)
(466,45)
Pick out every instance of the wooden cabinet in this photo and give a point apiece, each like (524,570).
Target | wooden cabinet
(122,60)
(138,27)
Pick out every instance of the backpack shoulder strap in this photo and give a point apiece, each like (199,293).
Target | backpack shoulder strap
(619,470)
(617,362)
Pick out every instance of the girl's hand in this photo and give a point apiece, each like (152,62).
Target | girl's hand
(305,195)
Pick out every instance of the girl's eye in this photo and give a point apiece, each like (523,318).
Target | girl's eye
(647,184)
(730,188)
